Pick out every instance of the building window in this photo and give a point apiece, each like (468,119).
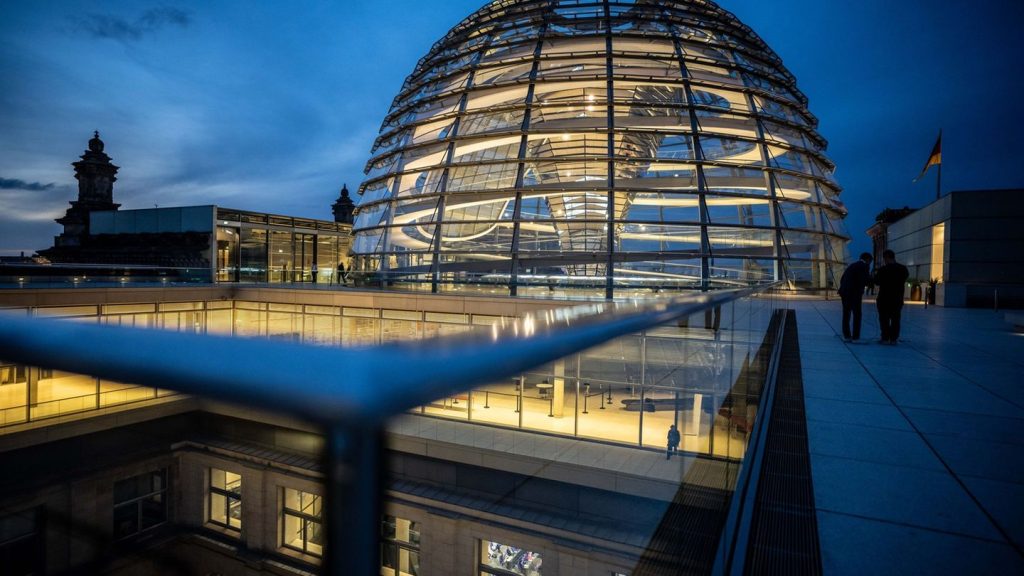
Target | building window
(225,499)
(938,256)
(21,543)
(400,547)
(503,560)
(140,503)
(303,527)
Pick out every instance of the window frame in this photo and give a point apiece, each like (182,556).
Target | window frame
(397,545)
(228,496)
(304,518)
(137,503)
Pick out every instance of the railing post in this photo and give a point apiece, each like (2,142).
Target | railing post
(352,463)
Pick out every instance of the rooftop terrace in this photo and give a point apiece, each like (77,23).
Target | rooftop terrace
(916,451)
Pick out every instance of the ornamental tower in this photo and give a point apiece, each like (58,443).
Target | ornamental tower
(96,176)
(343,207)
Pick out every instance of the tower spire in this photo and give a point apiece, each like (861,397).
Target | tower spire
(96,176)
(343,208)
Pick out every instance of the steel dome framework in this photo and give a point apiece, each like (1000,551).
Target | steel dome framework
(606,146)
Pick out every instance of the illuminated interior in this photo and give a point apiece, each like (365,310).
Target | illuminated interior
(938,268)
(627,391)
(606,146)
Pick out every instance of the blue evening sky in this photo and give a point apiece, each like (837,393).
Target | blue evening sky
(271,106)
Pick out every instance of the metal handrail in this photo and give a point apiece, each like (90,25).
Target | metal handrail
(349,391)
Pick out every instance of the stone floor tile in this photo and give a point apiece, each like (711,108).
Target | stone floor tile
(963,425)
(981,458)
(1004,501)
(865,414)
(859,546)
(871,444)
(901,494)
(841,390)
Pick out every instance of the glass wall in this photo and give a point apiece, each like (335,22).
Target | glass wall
(256,247)
(29,393)
(327,260)
(615,146)
(304,244)
(282,257)
(228,254)
(253,267)
(702,375)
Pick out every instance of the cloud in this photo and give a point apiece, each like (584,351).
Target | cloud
(15,184)
(117,28)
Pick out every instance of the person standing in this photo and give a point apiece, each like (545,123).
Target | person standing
(851,289)
(673,441)
(890,279)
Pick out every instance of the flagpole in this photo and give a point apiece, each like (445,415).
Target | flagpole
(938,183)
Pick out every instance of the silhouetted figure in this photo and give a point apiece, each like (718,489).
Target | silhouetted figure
(851,290)
(315,272)
(890,279)
(673,441)
(341,273)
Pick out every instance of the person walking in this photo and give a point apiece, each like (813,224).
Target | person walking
(673,441)
(890,279)
(851,289)
(341,273)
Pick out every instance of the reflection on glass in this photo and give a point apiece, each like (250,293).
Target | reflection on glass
(282,265)
(228,253)
(500,559)
(253,267)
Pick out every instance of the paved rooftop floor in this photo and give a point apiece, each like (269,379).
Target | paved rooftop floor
(917,450)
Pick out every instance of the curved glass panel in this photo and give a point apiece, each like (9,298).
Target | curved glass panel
(600,144)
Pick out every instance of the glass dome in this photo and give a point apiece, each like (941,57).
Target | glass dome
(603,147)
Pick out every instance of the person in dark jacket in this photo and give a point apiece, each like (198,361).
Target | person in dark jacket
(851,290)
(673,441)
(890,279)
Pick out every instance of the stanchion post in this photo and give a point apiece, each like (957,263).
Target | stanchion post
(352,462)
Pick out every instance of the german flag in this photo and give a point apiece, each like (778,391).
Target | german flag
(934,159)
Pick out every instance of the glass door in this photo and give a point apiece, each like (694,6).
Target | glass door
(227,254)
